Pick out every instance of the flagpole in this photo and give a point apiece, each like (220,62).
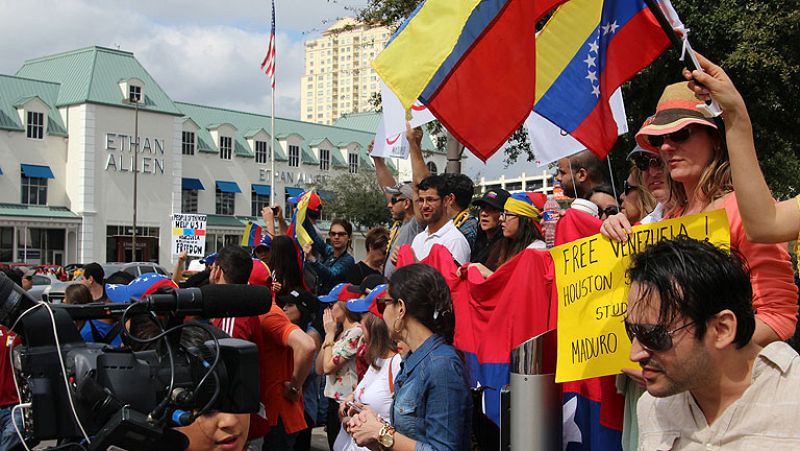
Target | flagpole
(272,153)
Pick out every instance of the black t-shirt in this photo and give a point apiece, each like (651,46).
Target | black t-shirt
(358,272)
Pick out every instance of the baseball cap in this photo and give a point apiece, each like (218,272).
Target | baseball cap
(369,282)
(314,201)
(302,299)
(209,259)
(140,287)
(401,189)
(338,293)
(495,198)
(368,302)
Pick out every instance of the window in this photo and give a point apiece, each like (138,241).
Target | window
(34,190)
(225,203)
(35,128)
(294,156)
(324,159)
(225,147)
(189,201)
(135,93)
(187,143)
(262,152)
(258,203)
(352,160)
(432,168)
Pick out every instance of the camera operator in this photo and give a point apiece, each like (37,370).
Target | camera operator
(8,392)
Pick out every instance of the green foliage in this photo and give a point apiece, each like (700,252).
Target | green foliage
(756,42)
(358,198)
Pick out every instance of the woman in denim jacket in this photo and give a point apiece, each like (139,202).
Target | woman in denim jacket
(432,407)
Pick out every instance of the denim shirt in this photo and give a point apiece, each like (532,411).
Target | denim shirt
(432,404)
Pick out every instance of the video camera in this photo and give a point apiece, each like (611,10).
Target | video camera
(104,396)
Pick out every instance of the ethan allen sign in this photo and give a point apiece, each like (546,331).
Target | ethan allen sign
(149,155)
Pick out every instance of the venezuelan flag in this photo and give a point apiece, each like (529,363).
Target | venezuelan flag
(472,62)
(587,50)
(252,235)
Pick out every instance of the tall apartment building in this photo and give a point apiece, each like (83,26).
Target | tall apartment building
(338,78)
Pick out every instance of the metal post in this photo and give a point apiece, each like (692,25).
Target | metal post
(454,151)
(135,101)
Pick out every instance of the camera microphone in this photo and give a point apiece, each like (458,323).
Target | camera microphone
(213,301)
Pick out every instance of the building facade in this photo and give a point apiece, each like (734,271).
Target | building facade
(542,182)
(69,125)
(338,78)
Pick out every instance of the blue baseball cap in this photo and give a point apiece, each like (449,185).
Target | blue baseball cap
(365,304)
(338,293)
(209,259)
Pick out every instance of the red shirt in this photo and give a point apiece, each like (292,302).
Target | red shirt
(8,394)
(277,366)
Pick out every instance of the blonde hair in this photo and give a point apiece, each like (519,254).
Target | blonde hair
(715,181)
(646,203)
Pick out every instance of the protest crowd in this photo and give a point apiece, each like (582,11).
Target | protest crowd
(392,352)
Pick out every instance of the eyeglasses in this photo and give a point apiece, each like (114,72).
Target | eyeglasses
(627,187)
(506,215)
(428,200)
(646,161)
(381,303)
(337,234)
(676,137)
(611,210)
(653,337)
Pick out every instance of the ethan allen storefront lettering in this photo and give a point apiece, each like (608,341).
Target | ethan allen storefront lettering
(150,155)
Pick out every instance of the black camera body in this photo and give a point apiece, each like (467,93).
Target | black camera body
(122,397)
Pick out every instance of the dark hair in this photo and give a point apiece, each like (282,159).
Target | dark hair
(14,274)
(236,264)
(377,238)
(77,294)
(695,280)
(508,247)
(461,187)
(353,317)
(283,262)
(436,182)
(95,271)
(197,279)
(348,228)
(426,296)
(120,277)
(602,188)
(592,163)
(379,342)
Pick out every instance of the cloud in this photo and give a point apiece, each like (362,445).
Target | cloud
(197,52)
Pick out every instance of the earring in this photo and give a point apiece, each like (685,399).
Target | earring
(395,329)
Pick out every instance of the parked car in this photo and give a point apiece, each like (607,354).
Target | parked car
(54,293)
(40,283)
(136,269)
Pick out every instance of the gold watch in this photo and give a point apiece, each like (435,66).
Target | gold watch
(386,437)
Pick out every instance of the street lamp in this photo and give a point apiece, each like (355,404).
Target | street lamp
(134,96)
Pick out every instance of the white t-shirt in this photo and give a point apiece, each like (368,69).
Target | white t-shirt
(448,236)
(373,391)
(656,215)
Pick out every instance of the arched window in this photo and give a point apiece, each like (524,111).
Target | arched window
(432,168)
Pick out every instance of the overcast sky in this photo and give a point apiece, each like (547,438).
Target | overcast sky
(205,52)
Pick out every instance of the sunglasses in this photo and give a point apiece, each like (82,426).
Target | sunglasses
(653,337)
(627,187)
(645,162)
(679,136)
(611,210)
(333,234)
(381,303)
(395,200)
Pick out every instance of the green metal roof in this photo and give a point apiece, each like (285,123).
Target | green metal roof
(246,123)
(224,221)
(37,211)
(15,91)
(93,74)
(368,121)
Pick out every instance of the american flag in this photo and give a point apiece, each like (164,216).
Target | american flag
(268,65)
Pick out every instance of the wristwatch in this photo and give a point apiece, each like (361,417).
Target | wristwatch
(386,437)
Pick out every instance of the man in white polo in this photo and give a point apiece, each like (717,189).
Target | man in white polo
(709,386)
(440,230)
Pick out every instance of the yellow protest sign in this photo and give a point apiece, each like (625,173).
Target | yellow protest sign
(593,292)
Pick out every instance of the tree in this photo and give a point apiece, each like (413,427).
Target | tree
(358,199)
(756,42)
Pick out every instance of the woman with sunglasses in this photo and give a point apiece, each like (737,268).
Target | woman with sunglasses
(699,180)
(335,260)
(521,230)
(432,406)
(636,201)
(763,219)
(376,388)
